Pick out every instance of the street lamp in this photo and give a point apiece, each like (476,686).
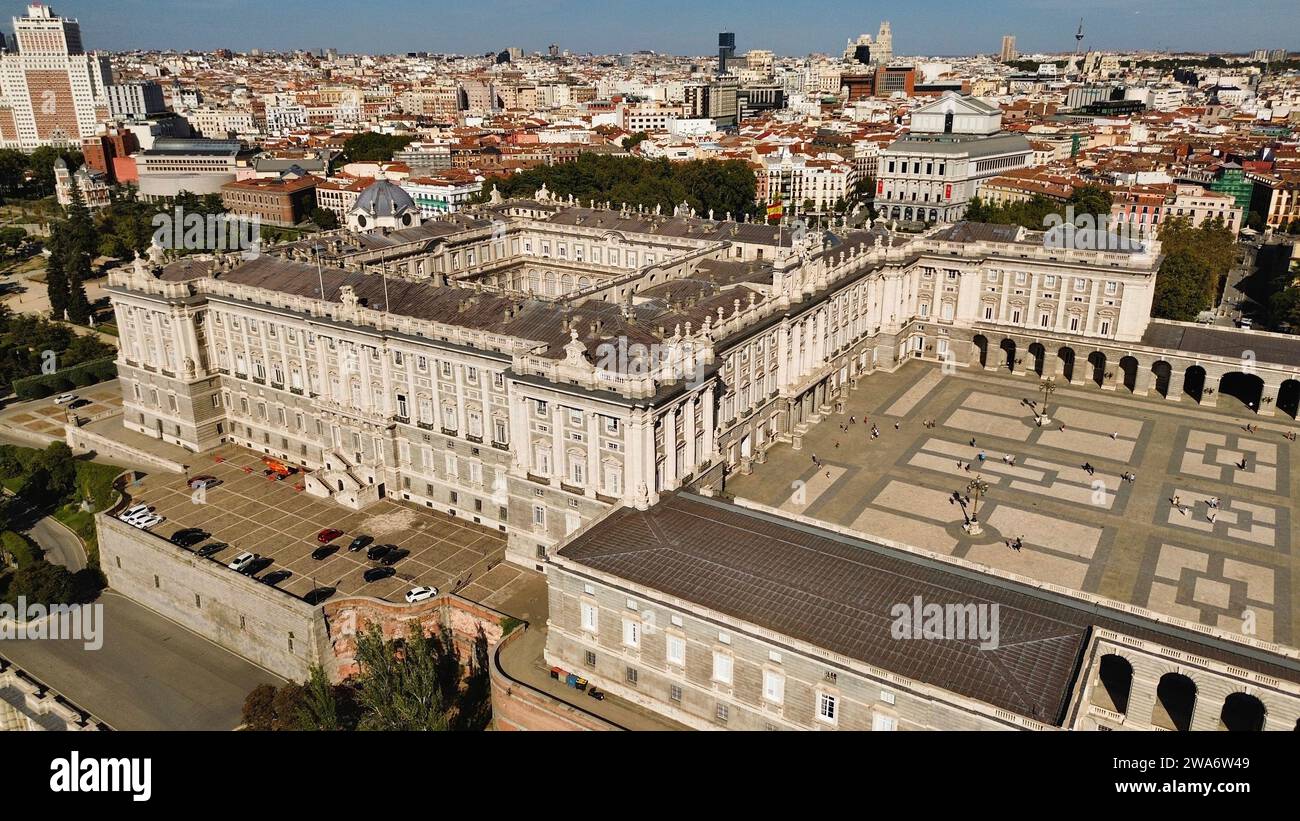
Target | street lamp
(977,488)
(1048,387)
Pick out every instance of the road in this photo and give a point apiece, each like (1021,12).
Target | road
(151,674)
(1234,301)
(61,546)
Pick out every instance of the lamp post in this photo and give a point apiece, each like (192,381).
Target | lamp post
(977,488)
(1048,387)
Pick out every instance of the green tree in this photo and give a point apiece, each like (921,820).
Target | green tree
(259,709)
(56,276)
(401,688)
(44,583)
(1180,292)
(319,709)
(325,218)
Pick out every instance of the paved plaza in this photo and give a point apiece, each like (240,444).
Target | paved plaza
(41,419)
(276,519)
(1203,531)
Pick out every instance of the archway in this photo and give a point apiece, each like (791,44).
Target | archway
(1163,372)
(1194,383)
(1247,388)
(1116,678)
(1175,702)
(1097,366)
(1242,713)
(1129,366)
(1066,355)
(1008,347)
(1039,355)
(1288,398)
(981,343)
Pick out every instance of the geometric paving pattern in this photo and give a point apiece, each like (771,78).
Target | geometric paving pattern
(1230,566)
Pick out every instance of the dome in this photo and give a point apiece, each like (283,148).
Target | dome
(385,199)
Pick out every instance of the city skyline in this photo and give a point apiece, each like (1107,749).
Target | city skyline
(1041,26)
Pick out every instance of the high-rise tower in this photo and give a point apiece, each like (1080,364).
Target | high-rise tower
(51,91)
(726,50)
(884,43)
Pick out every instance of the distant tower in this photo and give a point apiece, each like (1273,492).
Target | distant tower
(884,43)
(726,50)
(1008,48)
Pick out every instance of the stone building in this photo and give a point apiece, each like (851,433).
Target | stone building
(531,363)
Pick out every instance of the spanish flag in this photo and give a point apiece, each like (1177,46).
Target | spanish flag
(776,210)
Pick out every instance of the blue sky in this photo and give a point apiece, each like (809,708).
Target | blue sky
(932,27)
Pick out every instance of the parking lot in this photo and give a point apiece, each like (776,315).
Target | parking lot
(255,513)
(44,419)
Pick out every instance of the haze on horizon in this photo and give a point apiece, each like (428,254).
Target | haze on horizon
(929,27)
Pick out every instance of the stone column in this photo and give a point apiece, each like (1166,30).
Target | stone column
(670,449)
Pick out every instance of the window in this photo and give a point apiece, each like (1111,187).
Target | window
(723,713)
(826,706)
(590,617)
(676,650)
(884,723)
(631,676)
(539,515)
(632,633)
(722,667)
(773,686)
(675,693)
(591,659)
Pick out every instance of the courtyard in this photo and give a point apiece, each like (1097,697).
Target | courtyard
(1200,529)
(278,520)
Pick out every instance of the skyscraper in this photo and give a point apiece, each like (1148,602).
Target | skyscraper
(51,91)
(884,43)
(726,50)
(1008,48)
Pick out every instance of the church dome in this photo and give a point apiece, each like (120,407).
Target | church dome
(385,199)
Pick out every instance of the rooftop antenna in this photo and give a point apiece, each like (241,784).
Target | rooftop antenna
(1078,43)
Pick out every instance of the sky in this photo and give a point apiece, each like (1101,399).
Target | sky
(788,27)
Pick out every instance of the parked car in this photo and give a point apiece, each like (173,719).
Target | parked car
(599,695)
(379,551)
(147,521)
(205,482)
(275,577)
(134,510)
(80,403)
(318,595)
(360,543)
(65,399)
(242,561)
(189,537)
(256,566)
(393,557)
(329,534)
(417,594)
(320,554)
(212,549)
(374,574)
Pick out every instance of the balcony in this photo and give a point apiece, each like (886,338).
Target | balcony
(279,386)
(258,381)
(296,391)
(501,446)
(425,425)
(478,440)
(405,420)
(450,432)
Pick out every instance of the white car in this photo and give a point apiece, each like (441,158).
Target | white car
(418,594)
(241,562)
(133,512)
(147,521)
(65,399)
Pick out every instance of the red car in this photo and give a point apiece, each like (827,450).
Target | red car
(328,535)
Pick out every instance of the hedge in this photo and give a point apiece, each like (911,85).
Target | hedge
(78,376)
